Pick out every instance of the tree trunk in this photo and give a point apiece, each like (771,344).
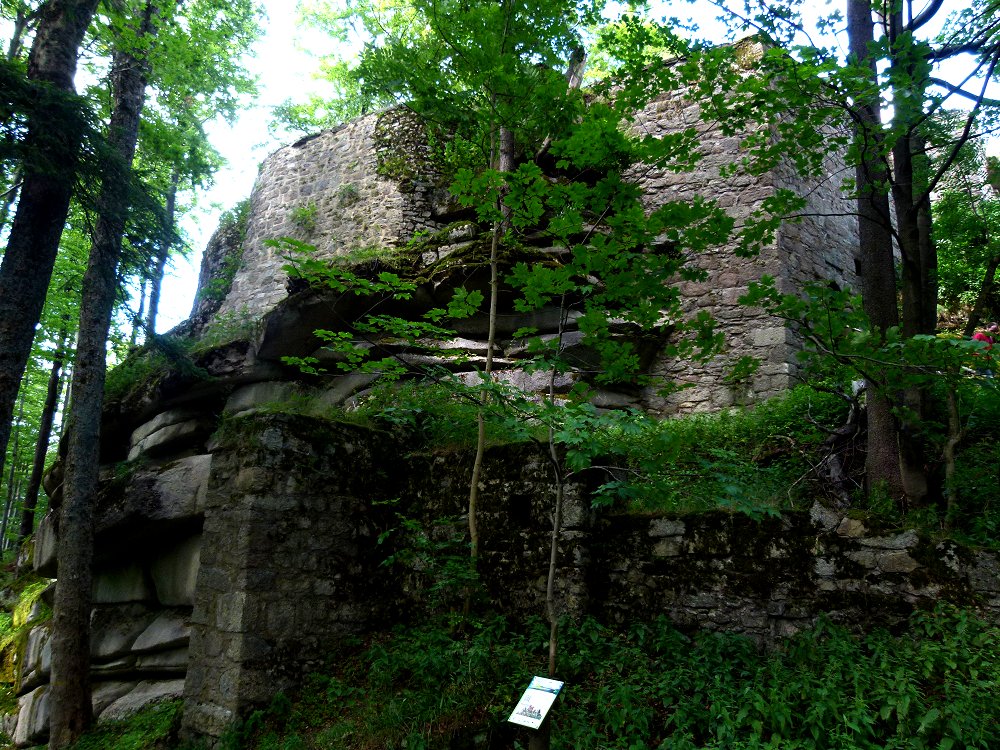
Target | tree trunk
(985,294)
(505,164)
(9,196)
(42,445)
(875,258)
(22,24)
(140,318)
(45,194)
(161,257)
(913,232)
(955,436)
(70,689)
(14,467)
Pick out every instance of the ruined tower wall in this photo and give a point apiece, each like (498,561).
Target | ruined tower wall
(370,184)
(364,184)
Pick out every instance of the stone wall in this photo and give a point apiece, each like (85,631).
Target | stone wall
(369,184)
(820,246)
(227,575)
(365,184)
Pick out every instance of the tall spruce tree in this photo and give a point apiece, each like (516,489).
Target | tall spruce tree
(54,133)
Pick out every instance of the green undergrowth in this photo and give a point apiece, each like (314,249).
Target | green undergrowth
(756,461)
(649,686)
(27,611)
(439,416)
(154,728)
(974,513)
(141,369)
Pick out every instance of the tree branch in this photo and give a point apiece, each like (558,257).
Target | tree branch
(926,15)
(958,91)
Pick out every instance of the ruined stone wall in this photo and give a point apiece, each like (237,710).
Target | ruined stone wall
(370,184)
(228,575)
(820,245)
(366,184)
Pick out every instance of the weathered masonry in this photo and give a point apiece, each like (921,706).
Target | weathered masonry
(232,566)
(369,185)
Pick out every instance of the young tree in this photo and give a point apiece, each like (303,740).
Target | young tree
(486,75)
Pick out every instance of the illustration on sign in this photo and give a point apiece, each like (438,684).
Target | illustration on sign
(530,711)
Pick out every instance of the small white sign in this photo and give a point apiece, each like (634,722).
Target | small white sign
(530,711)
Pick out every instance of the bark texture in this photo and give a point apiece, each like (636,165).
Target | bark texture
(874,253)
(52,394)
(70,689)
(46,188)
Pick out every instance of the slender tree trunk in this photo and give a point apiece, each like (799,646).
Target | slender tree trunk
(913,232)
(140,317)
(42,445)
(15,465)
(161,257)
(541,739)
(45,194)
(9,196)
(955,436)
(506,164)
(70,689)
(22,23)
(874,255)
(986,290)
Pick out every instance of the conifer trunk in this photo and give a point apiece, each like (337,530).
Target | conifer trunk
(878,276)
(55,130)
(46,421)
(161,257)
(70,689)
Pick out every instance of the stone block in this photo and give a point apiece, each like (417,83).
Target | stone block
(824,568)
(229,612)
(106,693)
(344,387)
(172,437)
(32,718)
(660,527)
(168,631)
(174,661)
(108,670)
(851,528)
(37,657)
(180,489)
(896,562)
(667,548)
(126,583)
(159,422)
(906,540)
(44,561)
(984,573)
(144,694)
(251,397)
(822,517)
(863,557)
(175,573)
(114,629)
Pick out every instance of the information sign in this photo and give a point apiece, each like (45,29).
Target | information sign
(536,702)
